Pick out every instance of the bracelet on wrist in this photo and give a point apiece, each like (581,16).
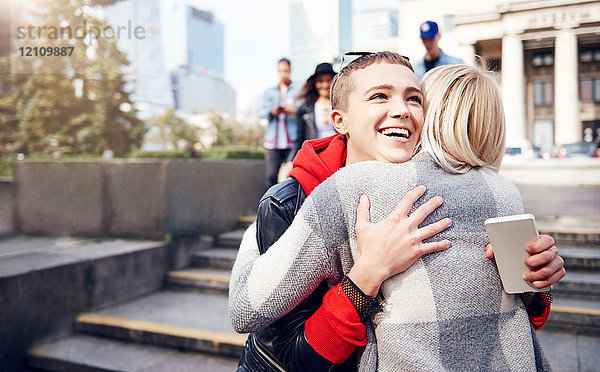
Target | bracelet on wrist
(536,302)
(365,305)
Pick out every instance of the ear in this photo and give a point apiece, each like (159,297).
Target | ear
(337,118)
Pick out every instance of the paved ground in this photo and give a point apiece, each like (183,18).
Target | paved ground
(547,202)
(568,352)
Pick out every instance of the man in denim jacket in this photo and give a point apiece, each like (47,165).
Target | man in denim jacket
(434,56)
(279,109)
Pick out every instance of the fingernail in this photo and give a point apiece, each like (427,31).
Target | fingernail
(447,243)
(448,222)
(439,199)
(525,278)
(422,188)
(362,198)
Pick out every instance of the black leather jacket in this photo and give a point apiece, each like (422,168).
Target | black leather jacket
(283,345)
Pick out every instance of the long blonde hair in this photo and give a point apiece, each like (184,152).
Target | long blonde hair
(464,122)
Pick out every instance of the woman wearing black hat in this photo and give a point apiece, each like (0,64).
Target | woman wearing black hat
(314,116)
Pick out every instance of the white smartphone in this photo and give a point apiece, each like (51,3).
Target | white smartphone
(509,236)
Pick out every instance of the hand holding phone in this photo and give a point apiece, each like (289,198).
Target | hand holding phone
(509,237)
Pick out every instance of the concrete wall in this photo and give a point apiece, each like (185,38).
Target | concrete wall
(135,198)
(209,195)
(64,198)
(7,206)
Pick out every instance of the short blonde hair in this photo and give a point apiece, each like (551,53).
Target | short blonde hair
(464,121)
(342,83)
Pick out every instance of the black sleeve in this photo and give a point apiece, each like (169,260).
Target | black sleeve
(301,135)
(272,219)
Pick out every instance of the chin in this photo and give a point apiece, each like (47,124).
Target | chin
(399,158)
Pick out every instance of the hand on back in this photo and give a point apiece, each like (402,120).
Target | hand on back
(391,246)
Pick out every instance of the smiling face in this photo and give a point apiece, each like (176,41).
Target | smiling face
(384,115)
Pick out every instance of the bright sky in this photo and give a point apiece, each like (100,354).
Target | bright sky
(256,36)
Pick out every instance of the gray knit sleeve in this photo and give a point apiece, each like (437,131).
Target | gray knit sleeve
(265,287)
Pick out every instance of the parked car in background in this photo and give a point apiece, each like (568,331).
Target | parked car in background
(519,150)
(578,150)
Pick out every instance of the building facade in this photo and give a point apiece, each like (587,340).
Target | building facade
(546,51)
(196,90)
(195,55)
(147,76)
(320,31)
(372,27)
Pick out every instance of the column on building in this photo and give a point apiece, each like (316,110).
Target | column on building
(513,87)
(567,127)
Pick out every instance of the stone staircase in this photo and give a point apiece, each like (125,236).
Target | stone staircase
(576,307)
(184,326)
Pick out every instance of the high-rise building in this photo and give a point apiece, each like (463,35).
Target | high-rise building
(193,37)
(195,58)
(148,78)
(320,31)
(372,27)
(196,90)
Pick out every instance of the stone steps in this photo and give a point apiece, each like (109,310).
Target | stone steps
(166,324)
(569,233)
(574,314)
(580,258)
(217,258)
(81,352)
(230,239)
(183,320)
(579,282)
(201,279)
(64,277)
(185,326)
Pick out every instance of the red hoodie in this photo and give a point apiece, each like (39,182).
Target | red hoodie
(317,160)
(334,330)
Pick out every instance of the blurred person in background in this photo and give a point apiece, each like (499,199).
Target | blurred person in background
(278,108)
(314,114)
(434,56)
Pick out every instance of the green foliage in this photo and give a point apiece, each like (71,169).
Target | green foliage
(158,155)
(234,152)
(229,132)
(6,167)
(70,104)
(173,129)
(216,152)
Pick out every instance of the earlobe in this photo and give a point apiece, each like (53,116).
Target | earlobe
(338,122)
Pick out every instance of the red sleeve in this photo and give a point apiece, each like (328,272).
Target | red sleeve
(334,330)
(539,320)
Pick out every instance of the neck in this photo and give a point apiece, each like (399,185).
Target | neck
(434,53)
(323,100)
(284,83)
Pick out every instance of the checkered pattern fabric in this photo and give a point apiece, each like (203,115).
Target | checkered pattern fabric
(447,312)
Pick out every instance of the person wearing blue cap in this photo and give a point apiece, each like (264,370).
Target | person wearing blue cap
(434,57)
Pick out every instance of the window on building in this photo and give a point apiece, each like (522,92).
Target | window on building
(542,59)
(589,55)
(589,89)
(543,93)
(586,90)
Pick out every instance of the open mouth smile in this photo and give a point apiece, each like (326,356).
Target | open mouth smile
(400,133)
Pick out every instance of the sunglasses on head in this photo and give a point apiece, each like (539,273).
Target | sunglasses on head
(359,54)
